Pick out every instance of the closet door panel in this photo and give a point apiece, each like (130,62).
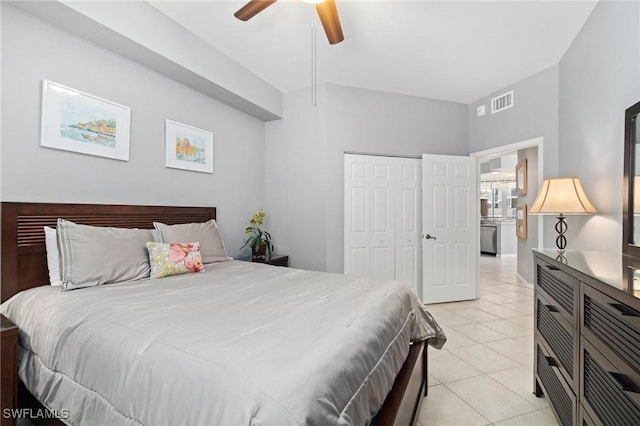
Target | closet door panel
(408,223)
(357,250)
(382,217)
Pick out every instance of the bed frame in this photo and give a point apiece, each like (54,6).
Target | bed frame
(23,265)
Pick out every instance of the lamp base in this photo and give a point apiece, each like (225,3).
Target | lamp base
(561,229)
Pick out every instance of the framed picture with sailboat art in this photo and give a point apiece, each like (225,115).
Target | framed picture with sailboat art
(76,121)
(188,147)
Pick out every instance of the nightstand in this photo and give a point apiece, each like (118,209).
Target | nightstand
(275,260)
(8,368)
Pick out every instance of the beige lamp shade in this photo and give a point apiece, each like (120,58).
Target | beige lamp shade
(562,196)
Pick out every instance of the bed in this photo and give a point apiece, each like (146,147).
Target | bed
(241,343)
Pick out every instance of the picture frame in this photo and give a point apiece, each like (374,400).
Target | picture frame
(521,221)
(521,178)
(76,121)
(188,147)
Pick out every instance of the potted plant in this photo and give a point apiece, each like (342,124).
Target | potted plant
(258,240)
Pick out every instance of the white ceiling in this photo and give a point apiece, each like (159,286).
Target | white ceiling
(449,50)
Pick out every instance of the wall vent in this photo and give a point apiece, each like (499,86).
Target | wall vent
(502,102)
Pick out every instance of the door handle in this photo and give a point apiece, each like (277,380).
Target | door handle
(429,237)
(624,383)
(624,310)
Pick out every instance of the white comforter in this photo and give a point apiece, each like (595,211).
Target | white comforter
(240,344)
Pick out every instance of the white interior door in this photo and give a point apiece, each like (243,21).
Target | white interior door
(449,228)
(408,222)
(357,233)
(382,217)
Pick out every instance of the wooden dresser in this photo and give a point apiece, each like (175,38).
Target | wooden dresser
(587,337)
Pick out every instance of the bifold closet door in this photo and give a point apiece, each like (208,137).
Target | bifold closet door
(382,217)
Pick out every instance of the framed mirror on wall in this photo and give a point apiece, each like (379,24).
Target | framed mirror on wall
(631,200)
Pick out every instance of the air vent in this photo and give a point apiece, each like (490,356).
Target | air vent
(502,102)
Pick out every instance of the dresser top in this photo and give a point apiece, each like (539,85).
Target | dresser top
(610,268)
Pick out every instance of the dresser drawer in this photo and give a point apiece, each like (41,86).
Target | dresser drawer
(584,419)
(560,286)
(559,336)
(610,390)
(559,394)
(615,324)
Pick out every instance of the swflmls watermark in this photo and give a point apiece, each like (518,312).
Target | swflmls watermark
(35,413)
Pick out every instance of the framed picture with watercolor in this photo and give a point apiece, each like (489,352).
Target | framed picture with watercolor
(521,178)
(521,221)
(188,147)
(76,121)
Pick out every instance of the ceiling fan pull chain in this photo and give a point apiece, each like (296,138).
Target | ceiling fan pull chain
(313,60)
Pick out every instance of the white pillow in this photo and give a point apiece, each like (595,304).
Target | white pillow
(207,233)
(53,256)
(96,255)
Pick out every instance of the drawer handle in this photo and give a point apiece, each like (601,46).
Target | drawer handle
(625,383)
(624,310)
(552,268)
(552,362)
(551,308)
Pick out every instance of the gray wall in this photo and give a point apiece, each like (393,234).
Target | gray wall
(305,155)
(525,260)
(598,81)
(295,178)
(33,50)
(534,114)
(578,107)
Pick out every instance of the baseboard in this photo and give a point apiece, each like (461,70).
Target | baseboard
(522,280)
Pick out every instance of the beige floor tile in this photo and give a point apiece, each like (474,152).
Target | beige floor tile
(506,288)
(501,312)
(447,367)
(469,304)
(525,306)
(479,332)
(526,341)
(456,339)
(440,307)
(508,328)
(449,318)
(513,349)
(486,290)
(518,296)
(432,381)
(490,398)
(477,315)
(487,360)
(497,298)
(483,358)
(520,381)
(523,321)
(444,408)
(537,418)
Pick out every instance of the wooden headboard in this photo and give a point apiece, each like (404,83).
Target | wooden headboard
(23,257)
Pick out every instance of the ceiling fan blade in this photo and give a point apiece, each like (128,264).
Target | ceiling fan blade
(328,14)
(252,8)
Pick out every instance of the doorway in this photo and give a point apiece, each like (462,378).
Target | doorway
(512,202)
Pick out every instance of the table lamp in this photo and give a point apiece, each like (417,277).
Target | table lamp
(562,196)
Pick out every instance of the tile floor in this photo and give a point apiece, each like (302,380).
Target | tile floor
(484,373)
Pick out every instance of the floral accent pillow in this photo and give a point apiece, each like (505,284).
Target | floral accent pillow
(174,258)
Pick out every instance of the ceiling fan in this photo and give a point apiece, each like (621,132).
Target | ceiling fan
(326,9)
